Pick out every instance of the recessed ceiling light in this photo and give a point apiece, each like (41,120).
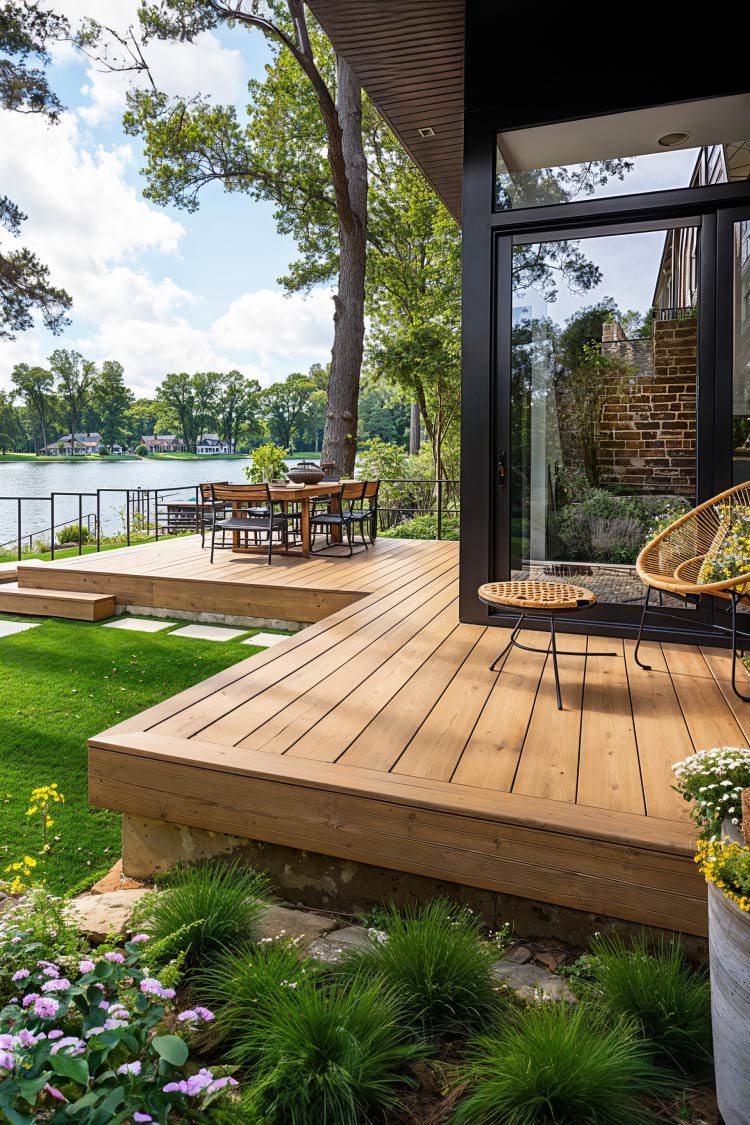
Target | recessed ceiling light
(426,131)
(672,140)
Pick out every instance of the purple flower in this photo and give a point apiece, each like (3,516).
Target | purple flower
(7,1060)
(117,958)
(55,1033)
(151,986)
(59,984)
(104,1005)
(199,1081)
(46,1008)
(220,1083)
(119,1012)
(205,1014)
(86,966)
(76,1045)
(167,994)
(29,999)
(53,1090)
(189,1014)
(175,1088)
(27,1039)
(20,975)
(140,937)
(50,971)
(130,1068)
(138,1116)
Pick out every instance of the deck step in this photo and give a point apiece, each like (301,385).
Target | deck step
(56,603)
(8,572)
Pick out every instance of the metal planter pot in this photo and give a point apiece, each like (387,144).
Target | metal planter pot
(729,950)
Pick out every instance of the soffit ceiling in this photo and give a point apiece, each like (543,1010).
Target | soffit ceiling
(408,55)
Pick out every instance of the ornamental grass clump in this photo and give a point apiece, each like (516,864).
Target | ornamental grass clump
(203,910)
(327,1054)
(436,960)
(244,981)
(555,1065)
(667,1000)
(714,780)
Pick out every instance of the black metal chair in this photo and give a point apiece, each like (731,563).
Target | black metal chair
(205,510)
(367,512)
(252,513)
(352,494)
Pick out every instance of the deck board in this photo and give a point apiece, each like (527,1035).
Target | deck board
(378,733)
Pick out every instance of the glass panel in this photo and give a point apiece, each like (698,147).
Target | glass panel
(741,366)
(603,403)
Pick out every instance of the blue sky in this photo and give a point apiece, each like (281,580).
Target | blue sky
(155,287)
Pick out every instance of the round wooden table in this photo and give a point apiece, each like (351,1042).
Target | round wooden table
(538,599)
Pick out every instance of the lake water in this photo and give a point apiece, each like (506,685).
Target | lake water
(34,479)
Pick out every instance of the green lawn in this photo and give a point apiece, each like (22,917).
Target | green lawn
(88,549)
(61,683)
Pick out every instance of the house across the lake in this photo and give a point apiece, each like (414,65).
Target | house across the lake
(82,445)
(212,444)
(163,443)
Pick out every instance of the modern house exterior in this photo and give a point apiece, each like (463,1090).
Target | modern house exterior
(211,445)
(163,443)
(82,445)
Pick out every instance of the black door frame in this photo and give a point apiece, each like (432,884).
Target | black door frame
(486,426)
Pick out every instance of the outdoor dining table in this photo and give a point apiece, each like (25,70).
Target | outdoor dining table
(302,496)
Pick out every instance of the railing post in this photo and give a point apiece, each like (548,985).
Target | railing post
(18,530)
(52,525)
(440,508)
(80,523)
(156,516)
(127,516)
(98,520)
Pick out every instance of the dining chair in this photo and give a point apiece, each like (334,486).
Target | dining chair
(351,495)
(252,512)
(367,511)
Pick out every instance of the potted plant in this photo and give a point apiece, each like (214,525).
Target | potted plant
(718,782)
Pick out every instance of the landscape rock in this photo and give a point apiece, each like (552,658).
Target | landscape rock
(549,960)
(531,982)
(114,880)
(98,916)
(295,925)
(331,947)
(518,955)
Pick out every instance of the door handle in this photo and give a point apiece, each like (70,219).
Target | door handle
(501,468)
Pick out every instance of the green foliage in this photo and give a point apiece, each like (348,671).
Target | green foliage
(727,865)
(141,450)
(605,526)
(39,926)
(72,533)
(203,909)
(666,999)
(244,981)
(285,407)
(327,1054)
(110,399)
(555,1065)
(267,463)
(436,961)
(425,527)
(671,510)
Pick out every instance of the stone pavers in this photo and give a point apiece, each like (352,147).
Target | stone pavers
(138,625)
(265,640)
(208,633)
(10,628)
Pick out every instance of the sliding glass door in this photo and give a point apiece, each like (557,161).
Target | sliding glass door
(598,401)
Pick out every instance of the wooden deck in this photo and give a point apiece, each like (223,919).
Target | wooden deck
(378,734)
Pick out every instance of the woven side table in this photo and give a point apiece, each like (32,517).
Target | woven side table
(538,600)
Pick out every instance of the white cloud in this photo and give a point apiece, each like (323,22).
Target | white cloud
(278,326)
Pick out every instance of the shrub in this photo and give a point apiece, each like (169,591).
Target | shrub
(580,527)
(73,533)
(424,527)
(328,1054)
(240,982)
(204,909)
(267,463)
(437,963)
(713,780)
(93,1045)
(141,450)
(553,1065)
(667,1000)
(38,927)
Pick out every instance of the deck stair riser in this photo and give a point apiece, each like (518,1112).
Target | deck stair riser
(55,603)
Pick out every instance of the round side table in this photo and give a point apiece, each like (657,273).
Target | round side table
(538,599)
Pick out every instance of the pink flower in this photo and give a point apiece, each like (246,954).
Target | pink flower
(71,1044)
(55,1033)
(86,966)
(189,1014)
(59,984)
(205,1014)
(138,1116)
(22,974)
(140,937)
(130,1068)
(29,999)
(7,1060)
(46,1008)
(117,958)
(55,1093)
(220,1083)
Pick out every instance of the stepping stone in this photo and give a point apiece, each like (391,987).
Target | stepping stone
(10,628)
(137,625)
(265,640)
(98,916)
(208,633)
(532,982)
(302,926)
(331,947)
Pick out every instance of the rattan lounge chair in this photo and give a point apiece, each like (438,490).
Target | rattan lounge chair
(705,553)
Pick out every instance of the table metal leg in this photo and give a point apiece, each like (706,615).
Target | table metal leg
(554,660)
(516,629)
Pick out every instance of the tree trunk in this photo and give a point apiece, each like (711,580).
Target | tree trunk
(415,429)
(340,435)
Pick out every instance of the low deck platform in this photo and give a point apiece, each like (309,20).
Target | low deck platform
(378,734)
